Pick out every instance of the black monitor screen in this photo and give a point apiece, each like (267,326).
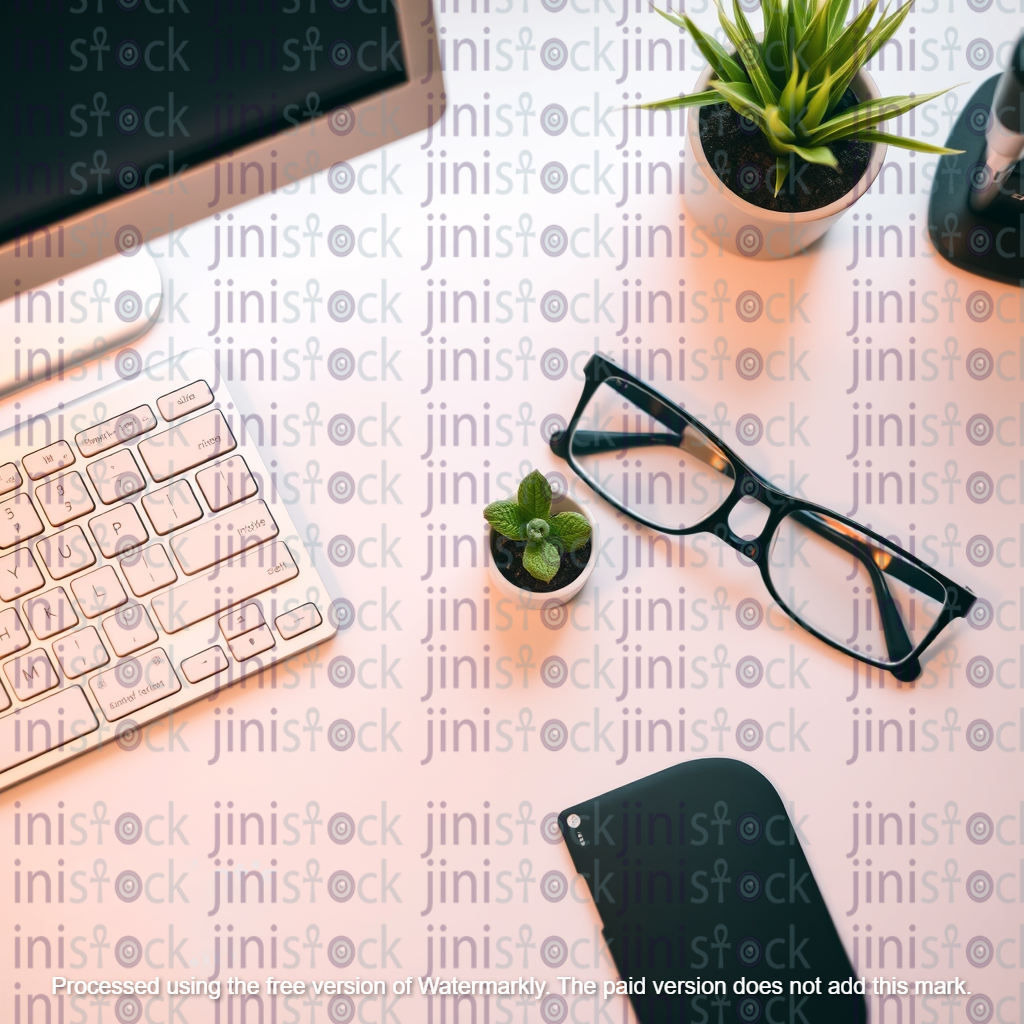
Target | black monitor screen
(108,96)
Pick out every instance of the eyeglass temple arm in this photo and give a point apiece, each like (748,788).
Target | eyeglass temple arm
(897,642)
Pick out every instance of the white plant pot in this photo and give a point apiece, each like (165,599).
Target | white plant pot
(530,599)
(750,230)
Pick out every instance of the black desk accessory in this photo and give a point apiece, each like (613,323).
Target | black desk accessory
(976,212)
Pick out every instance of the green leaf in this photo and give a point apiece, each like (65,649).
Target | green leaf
(816,155)
(742,99)
(713,52)
(787,98)
(885,29)
(838,9)
(885,139)
(541,560)
(840,52)
(694,99)
(774,46)
(571,529)
(866,115)
(818,105)
(777,125)
(507,519)
(742,37)
(535,496)
(781,170)
(813,42)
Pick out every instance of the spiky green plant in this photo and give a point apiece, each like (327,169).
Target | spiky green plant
(529,519)
(792,80)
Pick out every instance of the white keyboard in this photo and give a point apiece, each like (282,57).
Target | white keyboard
(142,567)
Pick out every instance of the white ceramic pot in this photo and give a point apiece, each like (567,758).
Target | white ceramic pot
(750,230)
(530,599)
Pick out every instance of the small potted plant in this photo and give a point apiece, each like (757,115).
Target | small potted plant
(541,550)
(785,128)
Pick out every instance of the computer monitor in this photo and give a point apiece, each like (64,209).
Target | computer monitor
(129,119)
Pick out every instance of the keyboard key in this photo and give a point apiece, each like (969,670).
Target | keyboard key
(48,460)
(297,622)
(117,430)
(19,574)
(18,520)
(5,703)
(187,445)
(65,553)
(80,652)
(242,577)
(129,630)
(248,645)
(223,537)
(64,498)
(9,477)
(118,530)
(148,569)
(12,633)
(134,684)
(98,592)
(50,613)
(31,674)
(205,664)
(44,726)
(190,398)
(241,620)
(116,477)
(172,507)
(227,483)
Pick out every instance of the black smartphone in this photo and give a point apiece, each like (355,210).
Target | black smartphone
(709,907)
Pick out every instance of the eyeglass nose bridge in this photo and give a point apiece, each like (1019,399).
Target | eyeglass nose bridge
(749,487)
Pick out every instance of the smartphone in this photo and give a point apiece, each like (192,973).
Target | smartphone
(708,905)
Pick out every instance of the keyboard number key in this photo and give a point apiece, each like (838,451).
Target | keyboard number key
(64,498)
(148,569)
(18,520)
(129,630)
(50,613)
(80,652)
(19,575)
(30,674)
(116,477)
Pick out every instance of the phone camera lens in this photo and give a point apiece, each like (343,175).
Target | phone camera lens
(573,820)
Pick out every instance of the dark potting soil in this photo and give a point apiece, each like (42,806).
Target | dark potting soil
(740,155)
(508,557)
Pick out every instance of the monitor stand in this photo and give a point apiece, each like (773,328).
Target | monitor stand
(991,244)
(47,330)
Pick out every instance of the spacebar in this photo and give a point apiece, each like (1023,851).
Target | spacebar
(250,573)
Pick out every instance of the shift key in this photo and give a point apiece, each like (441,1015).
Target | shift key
(187,445)
(244,576)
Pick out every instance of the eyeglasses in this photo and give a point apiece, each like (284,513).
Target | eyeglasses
(850,587)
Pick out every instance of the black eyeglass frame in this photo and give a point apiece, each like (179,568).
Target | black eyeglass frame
(956,599)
